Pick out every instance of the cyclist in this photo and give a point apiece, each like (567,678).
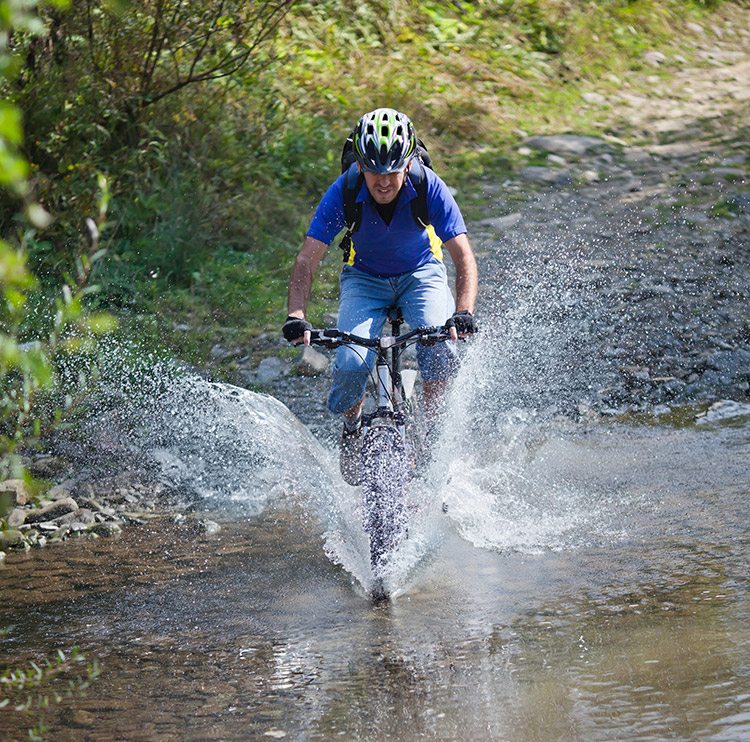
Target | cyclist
(393,262)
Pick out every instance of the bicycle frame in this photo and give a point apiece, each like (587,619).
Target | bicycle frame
(387,377)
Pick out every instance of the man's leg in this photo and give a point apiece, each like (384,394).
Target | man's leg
(362,305)
(362,311)
(425,299)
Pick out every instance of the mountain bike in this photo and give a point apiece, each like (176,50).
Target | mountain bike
(393,435)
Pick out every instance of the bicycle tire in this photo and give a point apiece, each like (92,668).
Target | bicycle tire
(385,471)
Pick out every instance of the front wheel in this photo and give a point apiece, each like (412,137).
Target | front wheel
(385,471)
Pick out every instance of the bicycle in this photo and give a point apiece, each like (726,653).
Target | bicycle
(392,441)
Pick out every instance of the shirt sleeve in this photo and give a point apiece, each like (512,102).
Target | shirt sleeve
(445,216)
(328,219)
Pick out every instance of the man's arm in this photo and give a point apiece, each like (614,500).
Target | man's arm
(466,272)
(300,283)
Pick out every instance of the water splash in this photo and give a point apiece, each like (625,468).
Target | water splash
(496,465)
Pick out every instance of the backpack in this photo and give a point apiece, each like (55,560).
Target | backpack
(353,183)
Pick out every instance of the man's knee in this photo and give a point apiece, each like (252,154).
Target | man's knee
(347,389)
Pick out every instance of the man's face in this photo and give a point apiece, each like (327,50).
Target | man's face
(384,188)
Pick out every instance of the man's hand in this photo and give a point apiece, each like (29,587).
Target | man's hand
(296,330)
(461,324)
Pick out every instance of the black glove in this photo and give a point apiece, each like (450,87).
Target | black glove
(464,323)
(294,328)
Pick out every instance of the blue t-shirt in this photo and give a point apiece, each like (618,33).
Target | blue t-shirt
(399,247)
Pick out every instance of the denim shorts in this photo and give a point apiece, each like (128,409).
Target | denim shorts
(424,299)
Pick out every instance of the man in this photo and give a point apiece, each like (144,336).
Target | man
(392,261)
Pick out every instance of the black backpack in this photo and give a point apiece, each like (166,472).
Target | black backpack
(353,183)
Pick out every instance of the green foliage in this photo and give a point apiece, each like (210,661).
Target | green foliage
(35,688)
(220,133)
(28,364)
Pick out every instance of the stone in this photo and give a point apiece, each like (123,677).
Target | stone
(16,518)
(546,176)
(311,362)
(92,504)
(16,488)
(60,491)
(501,223)
(47,467)
(269,370)
(595,99)
(695,27)
(52,510)
(567,144)
(106,529)
(654,58)
(10,538)
(208,527)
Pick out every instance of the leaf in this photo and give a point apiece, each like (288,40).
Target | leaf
(10,123)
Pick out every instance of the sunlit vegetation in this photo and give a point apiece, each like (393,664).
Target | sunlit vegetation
(216,126)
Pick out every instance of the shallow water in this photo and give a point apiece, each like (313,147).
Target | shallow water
(588,582)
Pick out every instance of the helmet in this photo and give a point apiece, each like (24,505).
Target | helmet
(384,141)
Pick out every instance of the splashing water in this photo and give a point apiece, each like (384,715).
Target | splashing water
(501,466)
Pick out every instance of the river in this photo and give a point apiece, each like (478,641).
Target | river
(589,581)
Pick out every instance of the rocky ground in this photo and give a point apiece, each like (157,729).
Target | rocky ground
(645,246)
(639,253)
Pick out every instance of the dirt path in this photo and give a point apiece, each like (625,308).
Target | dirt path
(637,257)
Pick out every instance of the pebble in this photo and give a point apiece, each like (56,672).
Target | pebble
(52,510)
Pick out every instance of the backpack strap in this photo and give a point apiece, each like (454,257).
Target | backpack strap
(419,210)
(352,208)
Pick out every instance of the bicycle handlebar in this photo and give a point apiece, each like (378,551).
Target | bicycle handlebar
(332,338)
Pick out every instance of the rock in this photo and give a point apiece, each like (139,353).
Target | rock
(635,156)
(594,98)
(94,505)
(311,362)
(726,409)
(694,27)
(78,718)
(567,144)
(16,517)
(546,176)
(82,516)
(269,370)
(208,527)
(60,533)
(52,510)
(2,557)
(590,176)
(61,491)
(654,58)
(501,223)
(10,538)
(16,488)
(106,529)
(47,467)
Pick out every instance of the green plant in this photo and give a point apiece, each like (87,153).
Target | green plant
(34,688)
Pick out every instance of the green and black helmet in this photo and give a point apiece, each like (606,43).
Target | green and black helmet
(384,141)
